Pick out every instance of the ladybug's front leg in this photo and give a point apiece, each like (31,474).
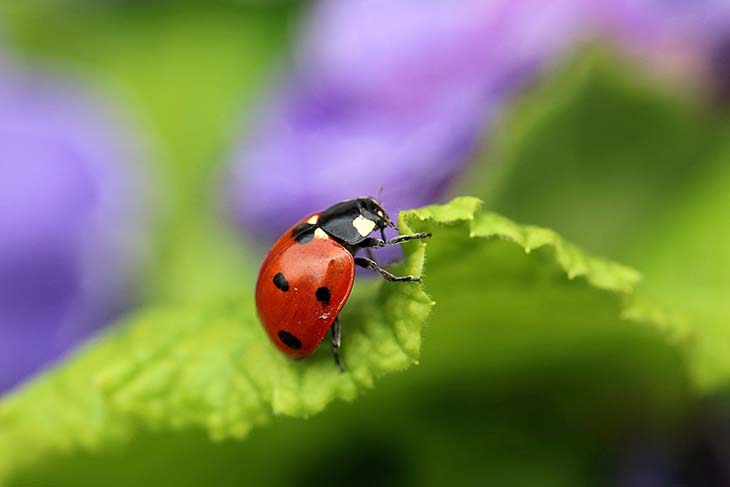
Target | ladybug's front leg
(336,343)
(376,243)
(373,266)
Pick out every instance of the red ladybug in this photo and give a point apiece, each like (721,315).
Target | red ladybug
(307,276)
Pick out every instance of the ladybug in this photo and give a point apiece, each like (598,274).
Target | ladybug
(307,276)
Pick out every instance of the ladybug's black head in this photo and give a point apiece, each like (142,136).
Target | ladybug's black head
(372,210)
(352,221)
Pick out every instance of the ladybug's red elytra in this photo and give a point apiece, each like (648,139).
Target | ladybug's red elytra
(307,276)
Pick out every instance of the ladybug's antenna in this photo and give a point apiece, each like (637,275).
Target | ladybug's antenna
(378,197)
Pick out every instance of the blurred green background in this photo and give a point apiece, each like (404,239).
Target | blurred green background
(187,71)
(626,166)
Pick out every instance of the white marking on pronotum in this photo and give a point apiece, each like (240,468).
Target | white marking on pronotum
(314,219)
(380,214)
(363,226)
(319,233)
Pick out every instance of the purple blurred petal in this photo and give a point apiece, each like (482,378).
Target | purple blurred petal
(679,38)
(399,93)
(655,22)
(70,219)
(402,104)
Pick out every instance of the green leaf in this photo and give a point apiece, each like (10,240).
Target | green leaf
(636,172)
(212,367)
(687,260)
(490,263)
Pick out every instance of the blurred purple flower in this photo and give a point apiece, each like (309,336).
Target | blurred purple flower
(399,92)
(679,38)
(657,22)
(69,220)
(392,93)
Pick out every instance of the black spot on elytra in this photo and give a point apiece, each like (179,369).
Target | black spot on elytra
(281,282)
(290,340)
(303,233)
(323,295)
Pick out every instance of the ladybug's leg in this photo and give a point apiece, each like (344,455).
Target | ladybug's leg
(373,266)
(369,250)
(336,343)
(376,243)
(371,254)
